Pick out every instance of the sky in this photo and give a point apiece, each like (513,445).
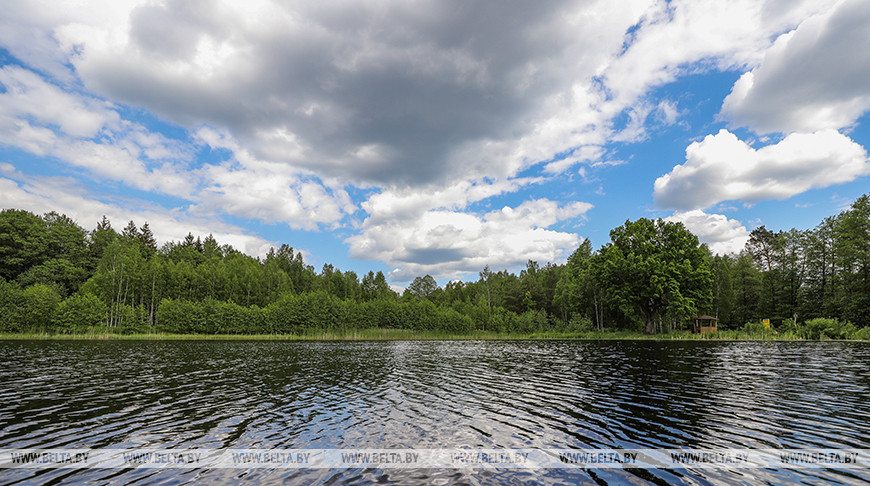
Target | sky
(434,137)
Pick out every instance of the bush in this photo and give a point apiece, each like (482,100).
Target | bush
(176,316)
(386,314)
(325,311)
(824,328)
(480,316)
(286,316)
(789,327)
(39,304)
(500,321)
(419,316)
(132,319)
(232,318)
(579,323)
(756,330)
(531,321)
(217,317)
(79,313)
(452,321)
(863,333)
(11,302)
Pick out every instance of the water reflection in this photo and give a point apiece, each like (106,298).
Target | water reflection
(206,394)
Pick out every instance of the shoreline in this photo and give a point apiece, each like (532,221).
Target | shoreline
(406,335)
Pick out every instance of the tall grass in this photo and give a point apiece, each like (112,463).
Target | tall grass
(383,334)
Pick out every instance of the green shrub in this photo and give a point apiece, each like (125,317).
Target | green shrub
(579,323)
(756,330)
(863,334)
(176,316)
(386,314)
(531,321)
(824,328)
(325,311)
(420,315)
(501,320)
(133,319)
(79,313)
(11,302)
(287,315)
(789,327)
(452,321)
(38,306)
(230,318)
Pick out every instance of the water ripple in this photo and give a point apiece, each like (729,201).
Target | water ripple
(510,394)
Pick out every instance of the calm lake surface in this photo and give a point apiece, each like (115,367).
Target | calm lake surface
(430,395)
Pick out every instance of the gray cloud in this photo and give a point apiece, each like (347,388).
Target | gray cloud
(433,256)
(383,94)
(433,105)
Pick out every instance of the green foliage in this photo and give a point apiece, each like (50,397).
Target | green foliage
(756,330)
(385,314)
(653,276)
(422,287)
(852,250)
(299,314)
(863,334)
(529,322)
(100,238)
(38,306)
(79,313)
(724,297)
(11,306)
(375,287)
(133,319)
(824,328)
(23,242)
(452,321)
(746,282)
(187,317)
(790,327)
(65,238)
(654,269)
(287,316)
(148,245)
(579,323)
(57,272)
(795,275)
(576,289)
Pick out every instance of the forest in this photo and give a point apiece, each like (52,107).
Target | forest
(653,276)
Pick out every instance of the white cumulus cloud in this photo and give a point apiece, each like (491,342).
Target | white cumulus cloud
(812,78)
(43,194)
(89,134)
(722,235)
(448,244)
(422,109)
(724,168)
(85,132)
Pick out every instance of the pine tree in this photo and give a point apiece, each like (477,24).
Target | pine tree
(130,231)
(101,237)
(146,237)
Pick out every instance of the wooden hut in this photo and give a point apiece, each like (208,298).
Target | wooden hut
(705,324)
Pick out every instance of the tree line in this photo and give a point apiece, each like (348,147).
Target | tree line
(653,276)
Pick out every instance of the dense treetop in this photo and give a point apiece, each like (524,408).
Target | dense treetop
(653,275)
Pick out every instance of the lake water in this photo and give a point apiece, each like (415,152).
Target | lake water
(431,395)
